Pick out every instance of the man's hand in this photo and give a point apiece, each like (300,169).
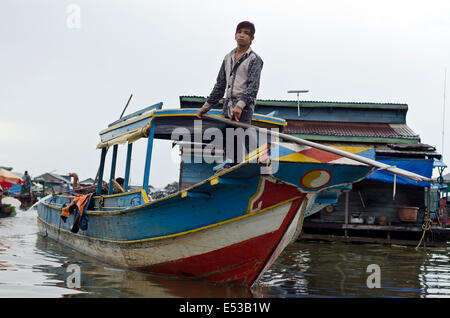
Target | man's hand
(236,113)
(201,111)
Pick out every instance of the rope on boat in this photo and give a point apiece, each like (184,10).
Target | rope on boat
(426,226)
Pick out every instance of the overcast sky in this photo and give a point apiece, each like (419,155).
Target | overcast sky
(62,82)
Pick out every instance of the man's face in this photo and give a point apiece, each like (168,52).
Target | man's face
(243,37)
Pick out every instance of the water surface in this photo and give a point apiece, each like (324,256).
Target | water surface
(33,266)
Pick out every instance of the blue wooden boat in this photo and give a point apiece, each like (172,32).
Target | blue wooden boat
(226,227)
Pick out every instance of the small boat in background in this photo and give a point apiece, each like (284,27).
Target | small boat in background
(225,227)
(7,180)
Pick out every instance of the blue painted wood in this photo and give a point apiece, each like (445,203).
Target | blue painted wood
(199,195)
(137,113)
(100,171)
(170,216)
(390,116)
(323,200)
(346,187)
(148,158)
(196,172)
(120,130)
(113,169)
(318,111)
(177,214)
(226,162)
(232,181)
(327,197)
(128,217)
(127,166)
(341,174)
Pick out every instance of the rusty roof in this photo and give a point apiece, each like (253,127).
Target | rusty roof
(371,130)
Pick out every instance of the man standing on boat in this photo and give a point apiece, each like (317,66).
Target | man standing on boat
(26,188)
(238,79)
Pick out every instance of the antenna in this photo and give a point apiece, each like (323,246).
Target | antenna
(298,100)
(126,106)
(443,111)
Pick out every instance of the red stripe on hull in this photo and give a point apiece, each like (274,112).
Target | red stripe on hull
(240,263)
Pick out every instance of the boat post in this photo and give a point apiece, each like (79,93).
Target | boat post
(148,158)
(127,167)
(100,171)
(113,169)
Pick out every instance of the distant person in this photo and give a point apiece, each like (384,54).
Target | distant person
(26,187)
(120,181)
(238,80)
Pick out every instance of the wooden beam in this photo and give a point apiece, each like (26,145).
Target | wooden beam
(113,169)
(148,158)
(127,167)
(367,161)
(100,171)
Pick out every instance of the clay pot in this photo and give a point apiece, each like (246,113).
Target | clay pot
(382,220)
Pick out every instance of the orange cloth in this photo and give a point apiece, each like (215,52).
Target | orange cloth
(80,200)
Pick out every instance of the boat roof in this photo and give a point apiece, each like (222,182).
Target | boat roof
(165,121)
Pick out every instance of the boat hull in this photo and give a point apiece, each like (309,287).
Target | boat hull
(236,251)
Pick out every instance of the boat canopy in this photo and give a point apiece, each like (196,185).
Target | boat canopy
(154,122)
(165,121)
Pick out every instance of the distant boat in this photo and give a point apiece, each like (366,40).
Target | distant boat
(7,180)
(229,227)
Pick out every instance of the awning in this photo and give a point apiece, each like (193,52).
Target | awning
(7,178)
(129,137)
(421,167)
(166,121)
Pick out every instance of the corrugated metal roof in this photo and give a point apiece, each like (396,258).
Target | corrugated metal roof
(303,103)
(409,150)
(374,130)
(53,178)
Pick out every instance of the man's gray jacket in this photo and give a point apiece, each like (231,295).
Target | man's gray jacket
(239,83)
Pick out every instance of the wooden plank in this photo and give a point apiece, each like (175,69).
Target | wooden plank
(359,239)
(393,228)
(137,113)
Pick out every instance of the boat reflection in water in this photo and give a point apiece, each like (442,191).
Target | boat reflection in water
(100,280)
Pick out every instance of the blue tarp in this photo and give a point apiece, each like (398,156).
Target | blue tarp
(15,189)
(421,167)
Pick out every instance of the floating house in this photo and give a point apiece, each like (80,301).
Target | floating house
(446,182)
(87,182)
(377,208)
(59,183)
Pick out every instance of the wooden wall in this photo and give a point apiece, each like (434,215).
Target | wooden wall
(373,198)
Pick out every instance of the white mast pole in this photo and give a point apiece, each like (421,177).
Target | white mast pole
(443,111)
